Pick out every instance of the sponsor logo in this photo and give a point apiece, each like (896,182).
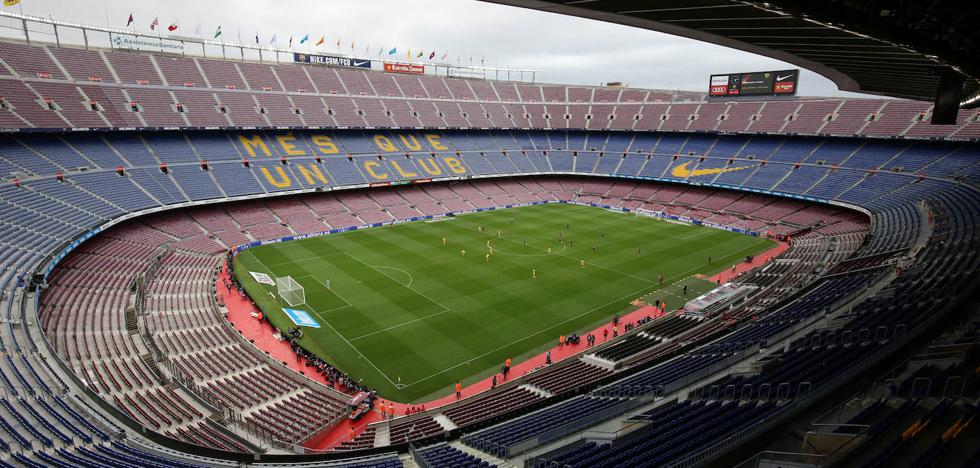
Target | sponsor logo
(301,318)
(682,171)
(406,68)
(136,42)
(784,87)
(331,60)
(781,78)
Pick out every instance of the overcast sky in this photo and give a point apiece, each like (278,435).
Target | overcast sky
(565,49)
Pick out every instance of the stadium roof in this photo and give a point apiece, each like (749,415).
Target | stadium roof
(899,49)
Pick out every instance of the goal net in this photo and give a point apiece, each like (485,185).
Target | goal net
(290,291)
(648,213)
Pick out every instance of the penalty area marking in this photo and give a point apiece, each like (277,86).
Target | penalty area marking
(411,279)
(328,324)
(332,291)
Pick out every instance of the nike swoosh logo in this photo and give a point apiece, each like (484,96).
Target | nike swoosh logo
(781,78)
(682,171)
(357,64)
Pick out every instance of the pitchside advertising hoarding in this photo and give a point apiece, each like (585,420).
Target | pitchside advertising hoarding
(766,83)
(405,68)
(331,60)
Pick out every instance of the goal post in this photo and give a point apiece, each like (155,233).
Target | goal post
(648,213)
(290,291)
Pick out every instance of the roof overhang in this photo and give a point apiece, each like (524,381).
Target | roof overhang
(854,61)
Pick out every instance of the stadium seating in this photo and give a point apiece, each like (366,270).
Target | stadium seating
(164,360)
(210,93)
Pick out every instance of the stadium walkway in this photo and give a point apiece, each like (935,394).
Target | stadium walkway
(240,311)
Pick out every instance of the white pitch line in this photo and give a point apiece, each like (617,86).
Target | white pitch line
(304,260)
(332,291)
(564,245)
(327,322)
(411,279)
(416,291)
(669,280)
(400,325)
(696,234)
(626,297)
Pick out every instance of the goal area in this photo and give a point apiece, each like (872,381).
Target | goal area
(290,291)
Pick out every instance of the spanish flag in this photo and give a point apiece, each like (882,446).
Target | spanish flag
(10,2)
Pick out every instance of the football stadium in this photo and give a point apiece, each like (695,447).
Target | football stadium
(219,251)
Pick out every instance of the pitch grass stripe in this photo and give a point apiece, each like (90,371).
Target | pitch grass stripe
(633,295)
(327,323)
(493,305)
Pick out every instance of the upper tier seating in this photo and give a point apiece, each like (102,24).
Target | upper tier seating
(102,87)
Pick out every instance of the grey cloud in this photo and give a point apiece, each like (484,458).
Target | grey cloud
(567,50)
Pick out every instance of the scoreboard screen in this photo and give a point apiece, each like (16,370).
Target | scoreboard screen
(767,83)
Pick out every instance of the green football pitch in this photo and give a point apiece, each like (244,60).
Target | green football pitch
(410,316)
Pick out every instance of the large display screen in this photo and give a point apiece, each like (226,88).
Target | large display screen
(767,83)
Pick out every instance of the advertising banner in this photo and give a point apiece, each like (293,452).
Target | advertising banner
(261,278)
(301,318)
(405,68)
(153,44)
(767,83)
(331,60)
(719,85)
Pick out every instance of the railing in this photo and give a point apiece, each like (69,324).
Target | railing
(900,337)
(419,459)
(30,28)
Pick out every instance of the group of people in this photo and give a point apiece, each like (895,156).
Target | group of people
(337,379)
(231,282)
(389,412)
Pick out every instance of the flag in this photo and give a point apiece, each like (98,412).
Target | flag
(304,39)
(393,51)
(10,2)
(420,54)
(432,55)
(256,38)
(380,50)
(352,45)
(408,54)
(172,27)
(130,21)
(290,42)
(444,55)
(153,24)
(338,43)
(322,38)
(217,33)
(273,40)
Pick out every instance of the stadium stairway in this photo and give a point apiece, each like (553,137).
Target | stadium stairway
(499,462)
